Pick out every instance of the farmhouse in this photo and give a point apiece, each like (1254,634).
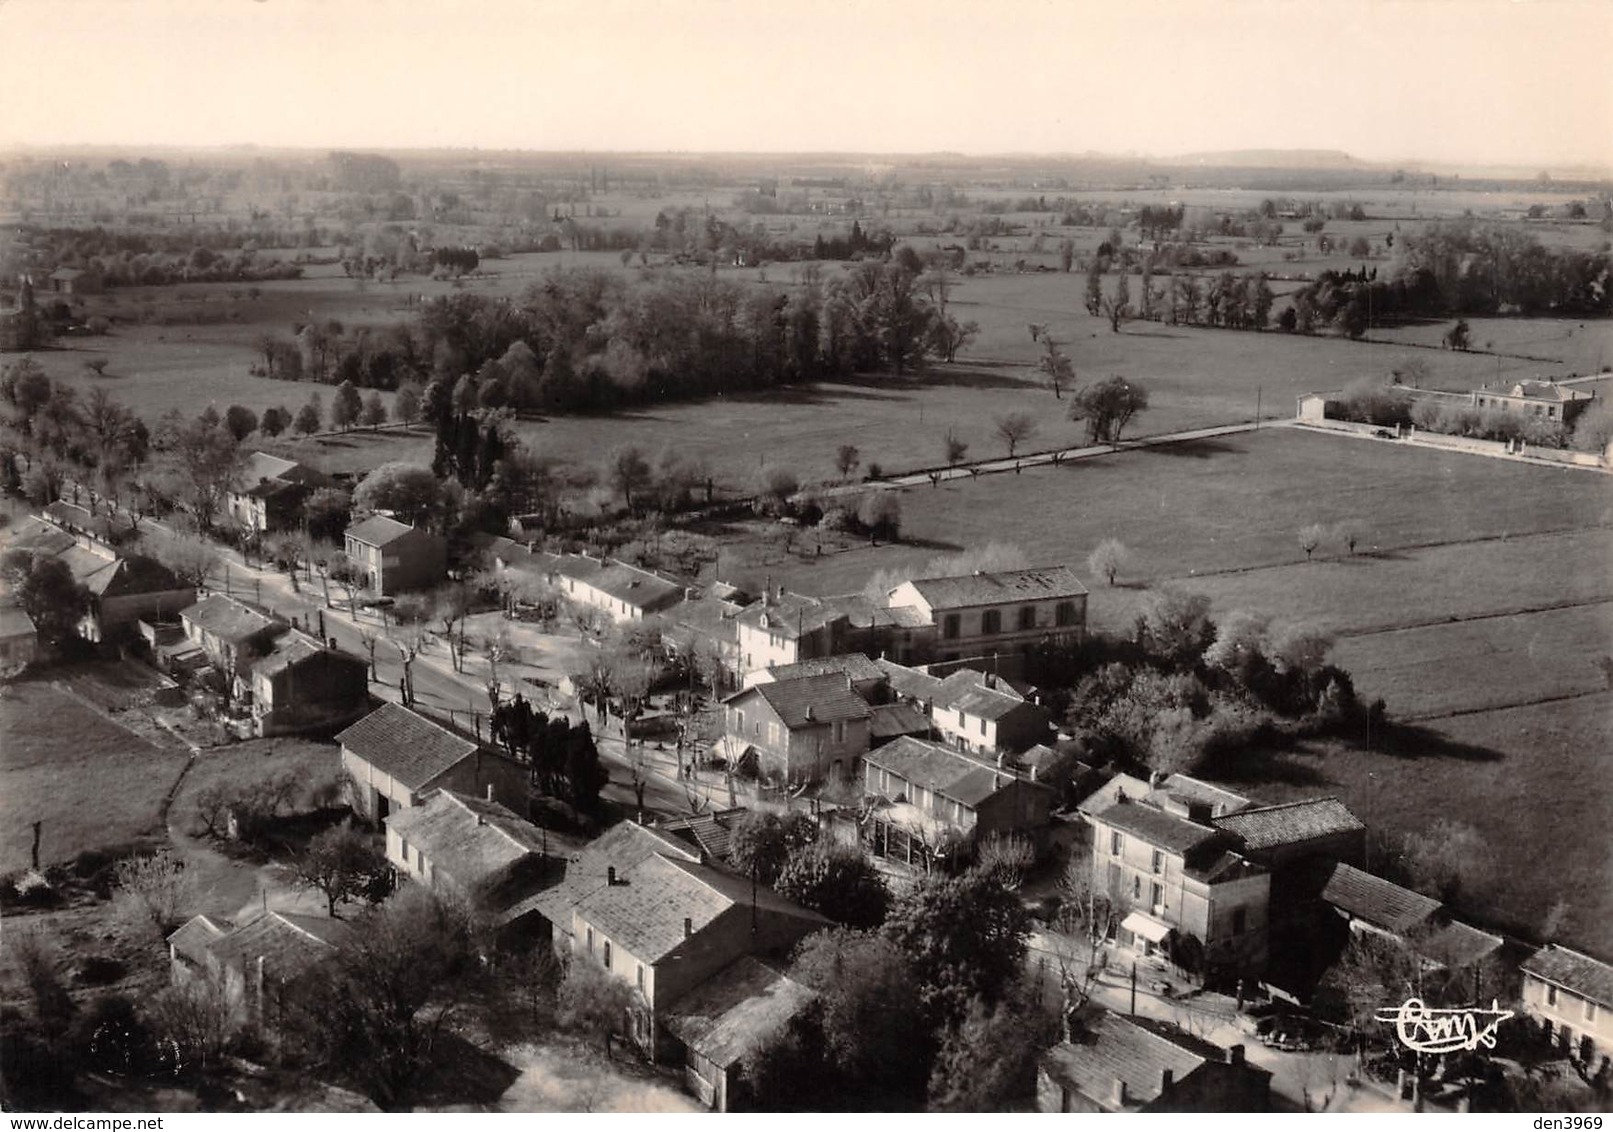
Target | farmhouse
(471,847)
(1371,905)
(268,493)
(924,796)
(667,924)
(233,634)
(625,593)
(623,846)
(253,963)
(1572,994)
(392,557)
(984,713)
(1009,611)
(1546,399)
(731,1016)
(1120,1064)
(798,730)
(1293,839)
(1181,877)
(396,757)
(303,684)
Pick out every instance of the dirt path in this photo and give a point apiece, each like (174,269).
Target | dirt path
(557,1079)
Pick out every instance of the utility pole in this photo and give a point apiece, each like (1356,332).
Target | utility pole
(1258,391)
(1134,988)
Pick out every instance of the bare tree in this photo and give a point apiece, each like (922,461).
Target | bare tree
(1310,537)
(1015,428)
(341,863)
(156,892)
(1056,365)
(1108,558)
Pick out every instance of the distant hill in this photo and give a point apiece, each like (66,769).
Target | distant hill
(1271,159)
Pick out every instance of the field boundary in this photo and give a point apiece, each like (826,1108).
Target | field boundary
(1434,717)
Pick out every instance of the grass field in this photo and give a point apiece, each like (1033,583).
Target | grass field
(90,781)
(244,764)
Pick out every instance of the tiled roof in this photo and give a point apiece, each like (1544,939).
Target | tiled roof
(1185,789)
(789,615)
(1547,391)
(737,1011)
(1110,793)
(196,936)
(853,664)
(646,909)
(711,833)
(620,847)
(811,700)
(886,721)
(1455,945)
(910,683)
(1220,867)
(262,466)
(639,588)
(69,515)
(286,942)
(1157,828)
(1290,823)
(378,531)
(987,703)
(1379,902)
(296,647)
(227,618)
(470,839)
(406,746)
(1136,1051)
(1573,971)
(1002,587)
(943,770)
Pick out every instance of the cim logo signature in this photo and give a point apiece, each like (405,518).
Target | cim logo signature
(1423,1030)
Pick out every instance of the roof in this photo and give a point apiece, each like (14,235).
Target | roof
(287,942)
(711,833)
(987,703)
(620,847)
(1181,788)
(1157,828)
(196,936)
(228,618)
(468,838)
(911,683)
(405,745)
(1573,971)
(15,622)
(853,664)
(296,647)
(737,1011)
(639,588)
(789,615)
(1290,823)
(65,514)
(886,721)
(943,770)
(1547,391)
(1378,902)
(1121,785)
(809,700)
(1455,945)
(646,909)
(1000,587)
(1220,868)
(378,531)
(1134,1050)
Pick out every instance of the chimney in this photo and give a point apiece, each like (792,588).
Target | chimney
(848,682)
(809,715)
(1117,1093)
(1166,1079)
(1235,1054)
(781,591)
(610,875)
(688,930)
(1033,772)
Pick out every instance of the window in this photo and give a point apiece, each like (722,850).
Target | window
(1156,896)
(1064,614)
(590,941)
(951,626)
(991,621)
(982,727)
(1027,617)
(1116,843)
(1551,995)
(1136,890)
(607,955)
(1159,862)
(960,717)
(741,715)
(1240,921)
(641,978)
(840,731)
(1590,1011)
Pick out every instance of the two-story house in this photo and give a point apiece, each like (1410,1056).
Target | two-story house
(787,628)
(800,730)
(1572,994)
(1008,611)
(305,684)
(1293,840)
(984,713)
(1176,875)
(622,592)
(1547,400)
(395,757)
(668,924)
(928,796)
(392,557)
(234,634)
(1111,1063)
(268,492)
(867,678)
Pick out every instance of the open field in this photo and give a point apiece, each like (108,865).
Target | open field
(1534,781)
(90,781)
(245,764)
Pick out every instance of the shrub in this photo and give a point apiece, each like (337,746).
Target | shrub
(837,519)
(1429,416)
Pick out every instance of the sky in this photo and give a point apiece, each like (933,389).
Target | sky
(1515,82)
